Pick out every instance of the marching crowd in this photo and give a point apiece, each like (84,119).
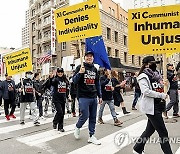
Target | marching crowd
(89,88)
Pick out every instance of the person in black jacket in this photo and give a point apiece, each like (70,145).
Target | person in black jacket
(137,91)
(87,79)
(28,96)
(118,99)
(8,93)
(59,82)
(173,92)
(39,92)
(107,97)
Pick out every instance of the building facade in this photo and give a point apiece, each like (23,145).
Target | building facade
(25,31)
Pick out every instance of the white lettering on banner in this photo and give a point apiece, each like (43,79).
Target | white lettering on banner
(53,39)
(89,77)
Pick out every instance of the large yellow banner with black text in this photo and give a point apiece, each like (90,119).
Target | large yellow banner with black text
(18,62)
(78,21)
(154,30)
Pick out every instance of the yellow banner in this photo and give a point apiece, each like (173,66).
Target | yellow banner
(154,30)
(78,21)
(18,62)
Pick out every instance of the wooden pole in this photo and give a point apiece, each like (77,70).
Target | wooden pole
(80,51)
(165,72)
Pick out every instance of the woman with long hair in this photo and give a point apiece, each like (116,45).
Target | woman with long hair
(152,103)
(118,99)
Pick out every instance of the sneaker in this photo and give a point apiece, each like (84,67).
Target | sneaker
(7,117)
(54,126)
(42,118)
(117,122)
(134,152)
(133,108)
(176,115)
(100,121)
(37,123)
(94,140)
(22,123)
(12,116)
(74,114)
(61,130)
(117,113)
(77,133)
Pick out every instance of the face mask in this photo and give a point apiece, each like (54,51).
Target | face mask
(29,76)
(153,66)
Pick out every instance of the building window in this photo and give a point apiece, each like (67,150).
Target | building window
(116,53)
(125,57)
(108,33)
(113,12)
(120,16)
(63,45)
(33,12)
(33,40)
(132,59)
(109,51)
(33,26)
(116,36)
(109,10)
(139,60)
(125,40)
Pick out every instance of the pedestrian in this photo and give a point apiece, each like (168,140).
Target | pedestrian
(8,94)
(28,97)
(73,93)
(38,93)
(137,91)
(107,97)
(0,95)
(88,88)
(118,99)
(173,92)
(59,98)
(152,103)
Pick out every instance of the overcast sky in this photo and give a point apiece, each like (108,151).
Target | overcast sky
(12,17)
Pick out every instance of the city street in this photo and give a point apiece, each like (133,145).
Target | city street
(29,139)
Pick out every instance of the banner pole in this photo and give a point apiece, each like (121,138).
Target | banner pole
(80,51)
(165,72)
(22,85)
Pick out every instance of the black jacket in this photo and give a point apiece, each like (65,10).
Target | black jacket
(88,82)
(29,95)
(8,89)
(38,88)
(172,80)
(60,89)
(135,85)
(73,88)
(106,85)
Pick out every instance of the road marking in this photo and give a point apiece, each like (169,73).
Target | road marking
(37,139)
(178,151)
(107,143)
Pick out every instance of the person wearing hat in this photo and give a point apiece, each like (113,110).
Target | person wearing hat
(28,96)
(8,90)
(173,92)
(152,101)
(60,84)
(88,88)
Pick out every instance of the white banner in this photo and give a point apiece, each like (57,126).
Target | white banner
(45,69)
(66,61)
(53,29)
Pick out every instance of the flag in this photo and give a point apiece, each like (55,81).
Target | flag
(44,58)
(96,45)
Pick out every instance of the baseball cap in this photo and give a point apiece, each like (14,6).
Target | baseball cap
(60,70)
(29,72)
(149,59)
(89,52)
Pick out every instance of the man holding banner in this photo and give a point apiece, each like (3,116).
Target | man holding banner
(87,79)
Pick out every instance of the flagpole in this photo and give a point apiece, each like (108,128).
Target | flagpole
(80,51)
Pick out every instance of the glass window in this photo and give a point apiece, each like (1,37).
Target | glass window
(116,36)
(108,33)
(132,59)
(116,53)
(109,51)
(125,40)
(125,57)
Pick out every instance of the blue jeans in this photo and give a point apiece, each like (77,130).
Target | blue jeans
(88,109)
(136,96)
(111,107)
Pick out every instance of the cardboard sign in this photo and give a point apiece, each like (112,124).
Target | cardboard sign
(18,62)
(78,21)
(154,30)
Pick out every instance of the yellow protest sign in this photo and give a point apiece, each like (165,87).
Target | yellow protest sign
(18,62)
(78,21)
(154,30)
